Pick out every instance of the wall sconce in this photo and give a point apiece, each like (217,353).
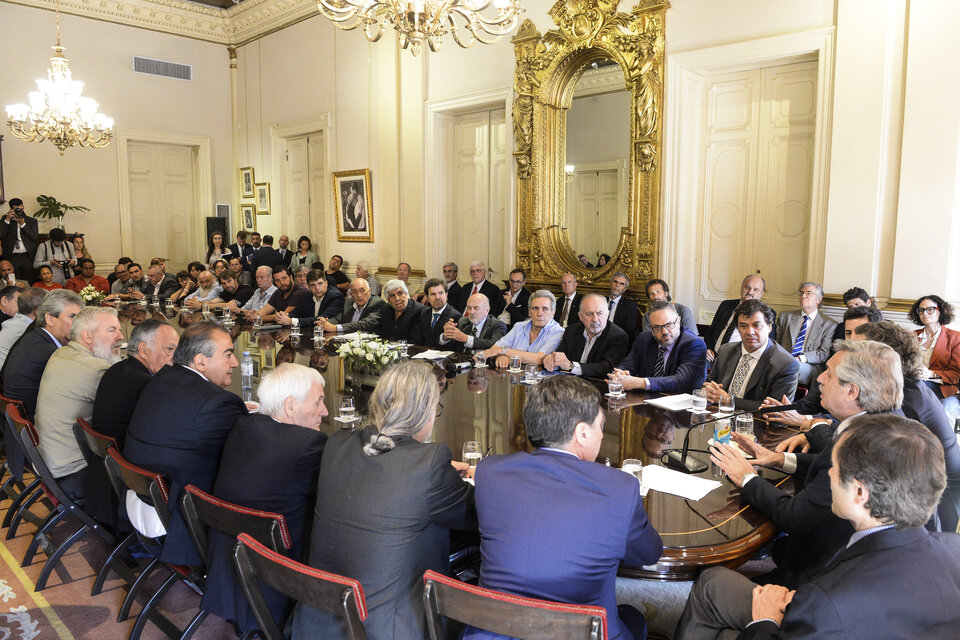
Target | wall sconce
(568,172)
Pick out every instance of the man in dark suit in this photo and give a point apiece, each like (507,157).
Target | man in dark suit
(755,367)
(623,310)
(157,283)
(854,298)
(28,357)
(563,536)
(667,358)
(454,289)
(266,256)
(241,249)
(861,377)
(283,248)
(326,302)
(568,302)
(893,580)
(18,238)
(361,312)
(723,329)
(479,284)
(591,347)
(437,313)
(270,463)
(477,330)
(516,299)
(807,334)
(181,421)
(402,320)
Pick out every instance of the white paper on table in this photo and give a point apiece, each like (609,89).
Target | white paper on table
(355,335)
(677,483)
(433,354)
(678,402)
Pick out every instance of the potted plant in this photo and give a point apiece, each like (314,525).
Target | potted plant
(53,209)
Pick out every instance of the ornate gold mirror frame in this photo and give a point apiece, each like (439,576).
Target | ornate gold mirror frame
(547,69)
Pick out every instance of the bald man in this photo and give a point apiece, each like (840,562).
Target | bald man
(361,312)
(723,328)
(477,330)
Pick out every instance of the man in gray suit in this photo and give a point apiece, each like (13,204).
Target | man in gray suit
(476,330)
(361,311)
(806,334)
(756,367)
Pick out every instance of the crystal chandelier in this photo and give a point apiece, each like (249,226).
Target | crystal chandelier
(57,112)
(417,21)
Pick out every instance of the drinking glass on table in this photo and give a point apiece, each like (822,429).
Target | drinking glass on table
(205,309)
(699,400)
(727,403)
(530,373)
(471,452)
(515,363)
(347,408)
(615,387)
(257,321)
(295,331)
(745,426)
(634,467)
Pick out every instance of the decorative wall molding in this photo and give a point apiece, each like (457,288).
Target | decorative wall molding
(237,25)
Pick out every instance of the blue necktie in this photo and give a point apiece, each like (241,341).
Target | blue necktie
(798,345)
(433,322)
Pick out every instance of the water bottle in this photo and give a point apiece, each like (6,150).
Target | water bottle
(246,371)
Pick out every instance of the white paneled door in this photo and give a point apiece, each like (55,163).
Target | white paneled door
(757,175)
(305,176)
(164,220)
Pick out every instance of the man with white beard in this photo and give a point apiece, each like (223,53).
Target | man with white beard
(68,389)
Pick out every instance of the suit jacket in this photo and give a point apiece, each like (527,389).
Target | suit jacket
(168,286)
(384,520)
(286,255)
(330,307)
(532,547)
(266,257)
(719,323)
(627,317)
(519,310)
(24,367)
(407,326)
(244,254)
(431,336)
(816,346)
(269,466)
(29,233)
(684,370)
(686,319)
(775,374)
(945,360)
(890,585)
(454,291)
(488,289)
(493,329)
(371,318)
(608,349)
(178,429)
(572,317)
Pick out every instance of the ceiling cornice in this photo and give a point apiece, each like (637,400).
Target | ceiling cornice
(237,25)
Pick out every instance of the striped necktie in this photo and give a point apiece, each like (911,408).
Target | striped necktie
(658,366)
(740,376)
(798,345)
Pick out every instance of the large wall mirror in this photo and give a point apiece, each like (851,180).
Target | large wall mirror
(586,117)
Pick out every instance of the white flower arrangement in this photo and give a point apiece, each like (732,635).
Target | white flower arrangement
(90,295)
(367,354)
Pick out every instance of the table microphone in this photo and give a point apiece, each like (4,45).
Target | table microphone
(680,461)
(456,367)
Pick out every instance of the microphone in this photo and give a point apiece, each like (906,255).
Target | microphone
(783,407)
(680,461)
(456,367)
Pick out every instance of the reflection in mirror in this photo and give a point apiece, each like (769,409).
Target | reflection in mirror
(597,163)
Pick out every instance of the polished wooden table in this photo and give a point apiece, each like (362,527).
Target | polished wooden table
(486,405)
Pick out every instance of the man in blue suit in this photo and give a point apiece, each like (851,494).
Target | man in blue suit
(181,421)
(563,536)
(667,358)
(326,302)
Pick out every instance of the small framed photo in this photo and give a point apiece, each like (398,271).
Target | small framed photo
(263,198)
(246,182)
(249,214)
(354,205)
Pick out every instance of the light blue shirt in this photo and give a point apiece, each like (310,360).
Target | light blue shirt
(215,291)
(519,337)
(259,298)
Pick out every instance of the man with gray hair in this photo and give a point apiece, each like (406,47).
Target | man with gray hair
(450,273)
(68,389)
(861,377)
(12,329)
(477,330)
(403,317)
(806,333)
(530,340)
(181,421)
(24,365)
(623,311)
(480,284)
(260,297)
(591,347)
(363,271)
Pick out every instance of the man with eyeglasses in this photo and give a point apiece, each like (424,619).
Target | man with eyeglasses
(516,298)
(667,358)
(807,334)
(591,347)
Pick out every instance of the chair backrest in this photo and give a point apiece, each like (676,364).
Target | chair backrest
(507,614)
(151,487)
(15,455)
(329,592)
(202,510)
(93,444)
(21,423)
(28,441)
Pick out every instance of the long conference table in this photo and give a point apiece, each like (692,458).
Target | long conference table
(486,405)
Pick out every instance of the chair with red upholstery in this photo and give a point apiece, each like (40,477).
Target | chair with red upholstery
(508,614)
(16,487)
(337,595)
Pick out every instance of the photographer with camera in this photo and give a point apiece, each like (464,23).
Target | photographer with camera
(18,238)
(57,254)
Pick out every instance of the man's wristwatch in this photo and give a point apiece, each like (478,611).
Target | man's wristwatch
(503,350)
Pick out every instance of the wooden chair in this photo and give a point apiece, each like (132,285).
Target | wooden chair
(507,614)
(17,487)
(329,592)
(202,510)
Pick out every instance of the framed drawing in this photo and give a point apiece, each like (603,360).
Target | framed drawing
(263,198)
(354,205)
(249,214)
(246,182)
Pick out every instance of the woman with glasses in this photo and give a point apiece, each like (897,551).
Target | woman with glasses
(940,349)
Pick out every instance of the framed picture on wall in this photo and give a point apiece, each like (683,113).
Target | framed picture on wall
(246,182)
(249,214)
(263,198)
(354,205)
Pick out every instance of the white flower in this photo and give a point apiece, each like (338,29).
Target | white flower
(384,359)
(370,357)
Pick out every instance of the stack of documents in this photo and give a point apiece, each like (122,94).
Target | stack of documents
(678,402)
(433,354)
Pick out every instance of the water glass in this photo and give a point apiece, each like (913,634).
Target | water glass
(479,360)
(472,453)
(257,321)
(727,403)
(633,467)
(205,309)
(347,409)
(294,331)
(515,363)
(318,340)
(615,387)
(169,304)
(402,346)
(745,426)
(699,400)
(530,373)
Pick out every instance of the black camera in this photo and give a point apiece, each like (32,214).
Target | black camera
(63,263)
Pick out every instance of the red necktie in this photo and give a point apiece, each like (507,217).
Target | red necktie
(474,289)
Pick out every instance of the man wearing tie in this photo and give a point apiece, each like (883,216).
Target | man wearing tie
(667,358)
(568,305)
(438,313)
(326,302)
(361,312)
(623,310)
(592,346)
(476,330)
(283,244)
(479,284)
(807,334)
(724,325)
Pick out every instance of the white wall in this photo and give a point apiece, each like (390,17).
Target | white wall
(100,55)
